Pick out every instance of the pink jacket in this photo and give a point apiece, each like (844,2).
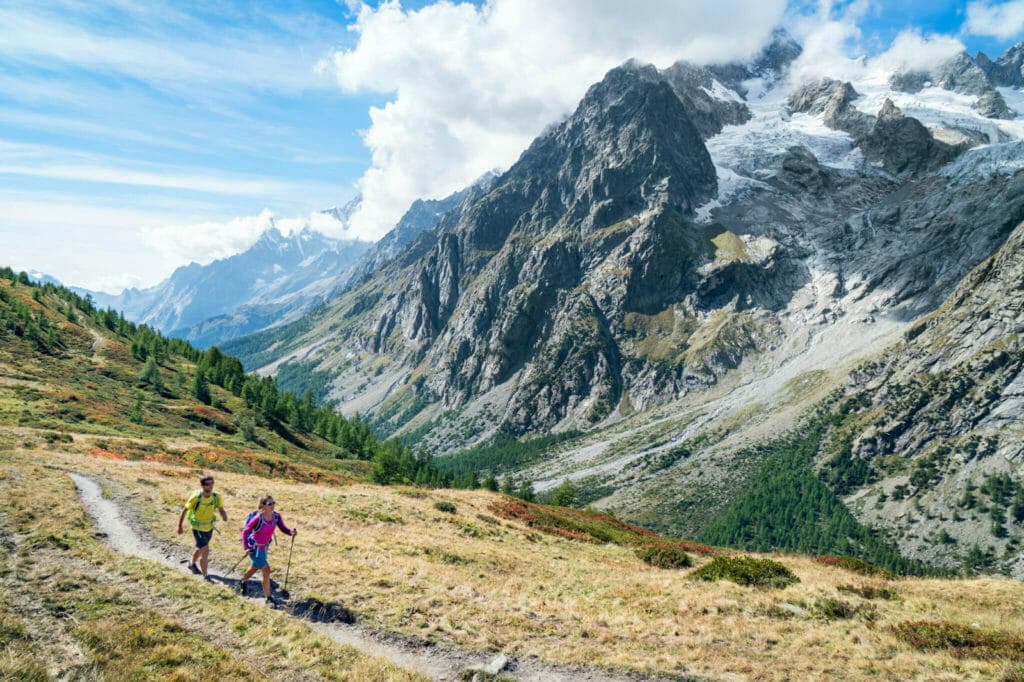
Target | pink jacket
(262,537)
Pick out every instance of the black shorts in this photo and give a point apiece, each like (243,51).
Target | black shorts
(202,537)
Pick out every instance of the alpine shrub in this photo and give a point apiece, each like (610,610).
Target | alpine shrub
(746,571)
(664,557)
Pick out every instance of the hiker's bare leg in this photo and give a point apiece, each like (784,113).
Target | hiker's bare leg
(195,555)
(266,581)
(248,574)
(204,559)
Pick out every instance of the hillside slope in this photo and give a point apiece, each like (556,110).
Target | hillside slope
(486,572)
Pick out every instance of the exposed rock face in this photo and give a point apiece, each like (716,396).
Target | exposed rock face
(903,144)
(949,403)
(769,65)
(971,77)
(832,98)
(709,104)
(961,74)
(501,285)
(992,105)
(1008,70)
(682,265)
(581,283)
(422,216)
(910,81)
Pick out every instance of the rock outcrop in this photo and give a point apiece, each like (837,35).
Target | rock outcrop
(903,144)
(992,105)
(833,99)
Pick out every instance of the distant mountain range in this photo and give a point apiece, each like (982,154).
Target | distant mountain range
(273,282)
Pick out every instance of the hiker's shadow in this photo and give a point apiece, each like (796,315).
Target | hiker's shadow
(253,588)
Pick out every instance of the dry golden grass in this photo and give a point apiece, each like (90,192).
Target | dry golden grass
(468,577)
(70,607)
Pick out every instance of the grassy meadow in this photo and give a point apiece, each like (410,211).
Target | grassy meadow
(487,571)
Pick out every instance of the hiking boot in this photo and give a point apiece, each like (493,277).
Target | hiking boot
(271,602)
(240,588)
(192,567)
(207,578)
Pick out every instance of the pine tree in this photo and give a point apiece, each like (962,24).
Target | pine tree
(201,388)
(135,413)
(151,375)
(525,491)
(564,495)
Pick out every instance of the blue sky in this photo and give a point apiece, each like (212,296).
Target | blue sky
(136,136)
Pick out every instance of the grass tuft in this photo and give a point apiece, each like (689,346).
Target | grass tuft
(871,592)
(960,640)
(746,571)
(446,507)
(855,565)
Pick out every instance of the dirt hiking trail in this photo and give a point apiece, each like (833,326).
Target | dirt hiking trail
(438,661)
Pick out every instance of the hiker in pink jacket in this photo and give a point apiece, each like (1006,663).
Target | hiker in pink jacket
(256,537)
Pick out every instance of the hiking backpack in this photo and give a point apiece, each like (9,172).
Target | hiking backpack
(259,524)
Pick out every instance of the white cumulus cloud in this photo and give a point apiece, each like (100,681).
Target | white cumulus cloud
(832,42)
(471,86)
(999,20)
(206,241)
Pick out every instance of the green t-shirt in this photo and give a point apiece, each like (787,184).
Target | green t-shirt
(201,515)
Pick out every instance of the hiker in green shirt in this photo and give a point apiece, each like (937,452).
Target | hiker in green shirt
(200,511)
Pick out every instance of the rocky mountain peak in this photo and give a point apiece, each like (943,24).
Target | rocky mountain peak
(1008,70)
(780,51)
(628,146)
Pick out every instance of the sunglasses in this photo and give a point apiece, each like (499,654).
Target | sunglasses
(270,504)
(207,483)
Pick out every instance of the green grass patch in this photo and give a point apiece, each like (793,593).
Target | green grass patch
(746,571)
(446,507)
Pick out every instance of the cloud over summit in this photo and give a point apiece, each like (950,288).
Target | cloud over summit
(472,86)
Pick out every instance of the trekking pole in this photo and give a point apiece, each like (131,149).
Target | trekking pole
(232,569)
(284,591)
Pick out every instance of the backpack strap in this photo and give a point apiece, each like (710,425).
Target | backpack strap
(199,499)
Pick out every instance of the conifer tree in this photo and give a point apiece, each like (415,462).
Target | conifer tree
(201,388)
(135,414)
(151,375)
